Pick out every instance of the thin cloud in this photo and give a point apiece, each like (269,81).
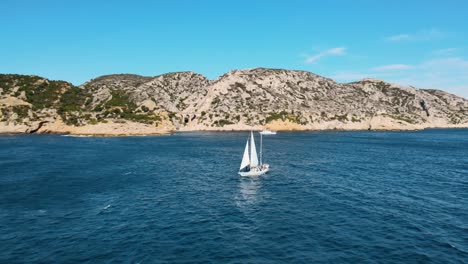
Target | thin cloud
(350,75)
(447,64)
(399,37)
(392,67)
(449,74)
(447,51)
(422,35)
(334,52)
(337,51)
(380,72)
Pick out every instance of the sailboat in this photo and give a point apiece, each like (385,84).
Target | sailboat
(250,165)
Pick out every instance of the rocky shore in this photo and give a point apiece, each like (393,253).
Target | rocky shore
(100,129)
(251,99)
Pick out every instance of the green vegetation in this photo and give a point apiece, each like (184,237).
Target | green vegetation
(222,122)
(238,85)
(402,118)
(382,86)
(181,104)
(75,105)
(9,81)
(71,105)
(131,116)
(120,99)
(74,99)
(42,93)
(71,119)
(21,110)
(355,119)
(93,121)
(141,118)
(120,106)
(275,116)
(454,119)
(46,94)
(283,115)
(215,101)
(3,114)
(144,109)
(341,118)
(171,115)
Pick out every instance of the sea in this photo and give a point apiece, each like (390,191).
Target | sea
(330,197)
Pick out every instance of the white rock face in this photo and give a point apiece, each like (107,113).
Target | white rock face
(254,99)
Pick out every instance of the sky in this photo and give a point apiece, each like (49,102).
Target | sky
(418,43)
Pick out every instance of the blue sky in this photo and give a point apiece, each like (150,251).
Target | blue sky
(419,43)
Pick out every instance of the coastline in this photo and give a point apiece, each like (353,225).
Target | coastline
(109,129)
(118,129)
(240,100)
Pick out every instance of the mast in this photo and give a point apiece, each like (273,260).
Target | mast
(261,149)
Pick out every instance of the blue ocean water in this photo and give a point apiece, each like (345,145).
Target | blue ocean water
(331,197)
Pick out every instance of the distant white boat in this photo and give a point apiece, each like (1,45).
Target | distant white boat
(267,132)
(250,165)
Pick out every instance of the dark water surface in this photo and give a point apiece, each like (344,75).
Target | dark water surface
(331,197)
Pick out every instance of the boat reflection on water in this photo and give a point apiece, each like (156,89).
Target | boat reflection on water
(250,192)
(249,189)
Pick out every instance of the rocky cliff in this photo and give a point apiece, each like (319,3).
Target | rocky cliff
(238,100)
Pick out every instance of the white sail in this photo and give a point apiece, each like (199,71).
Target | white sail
(245,158)
(253,152)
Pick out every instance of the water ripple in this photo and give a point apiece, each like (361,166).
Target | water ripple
(331,197)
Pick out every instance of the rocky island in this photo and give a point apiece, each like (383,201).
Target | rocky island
(125,104)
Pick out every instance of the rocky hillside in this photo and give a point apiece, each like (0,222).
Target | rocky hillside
(241,99)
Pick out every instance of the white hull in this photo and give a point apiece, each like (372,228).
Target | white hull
(253,173)
(268,132)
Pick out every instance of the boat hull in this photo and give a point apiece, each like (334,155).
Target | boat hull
(253,173)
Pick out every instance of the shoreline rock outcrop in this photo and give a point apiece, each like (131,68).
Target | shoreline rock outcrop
(275,99)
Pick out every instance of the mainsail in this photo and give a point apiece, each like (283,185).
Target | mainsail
(245,159)
(253,152)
